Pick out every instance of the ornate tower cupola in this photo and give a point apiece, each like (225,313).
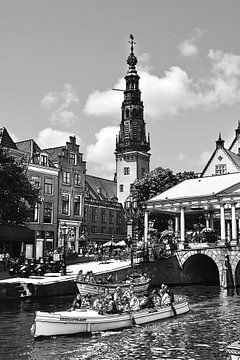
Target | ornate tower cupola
(132,135)
(132,146)
(220,142)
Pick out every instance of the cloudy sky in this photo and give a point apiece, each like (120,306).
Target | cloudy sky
(60,60)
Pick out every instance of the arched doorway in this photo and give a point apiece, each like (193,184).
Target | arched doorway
(200,269)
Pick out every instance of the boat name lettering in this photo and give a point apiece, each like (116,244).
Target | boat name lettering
(72,319)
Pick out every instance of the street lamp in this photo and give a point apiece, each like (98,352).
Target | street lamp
(131,207)
(64,231)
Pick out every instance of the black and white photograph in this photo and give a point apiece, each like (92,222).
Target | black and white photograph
(119,180)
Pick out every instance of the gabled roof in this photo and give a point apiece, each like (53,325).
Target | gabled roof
(101,188)
(29,146)
(231,155)
(54,153)
(6,140)
(199,187)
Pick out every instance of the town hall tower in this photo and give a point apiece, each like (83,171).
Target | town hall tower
(132,146)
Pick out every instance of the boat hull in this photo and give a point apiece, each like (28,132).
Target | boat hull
(89,321)
(234,350)
(96,289)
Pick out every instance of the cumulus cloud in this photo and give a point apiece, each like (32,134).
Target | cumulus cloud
(49,137)
(100,156)
(60,105)
(188,47)
(175,91)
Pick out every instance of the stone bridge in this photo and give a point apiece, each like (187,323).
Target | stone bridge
(210,264)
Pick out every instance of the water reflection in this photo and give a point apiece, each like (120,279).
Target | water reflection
(203,333)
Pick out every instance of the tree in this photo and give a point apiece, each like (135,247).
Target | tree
(154,183)
(17,194)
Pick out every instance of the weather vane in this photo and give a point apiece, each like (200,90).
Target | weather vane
(132,42)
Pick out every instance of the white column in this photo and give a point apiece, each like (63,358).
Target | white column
(176,225)
(145,227)
(182,228)
(222,220)
(211,221)
(207,220)
(234,223)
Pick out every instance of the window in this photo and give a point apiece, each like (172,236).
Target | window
(220,169)
(43,160)
(103,230)
(94,229)
(49,240)
(47,212)
(85,213)
(72,159)
(131,187)
(127,113)
(65,204)
(34,215)
(121,187)
(110,217)
(77,179)
(66,177)
(126,170)
(142,171)
(119,218)
(93,214)
(77,205)
(48,186)
(103,216)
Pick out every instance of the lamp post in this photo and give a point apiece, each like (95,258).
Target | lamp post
(131,206)
(64,230)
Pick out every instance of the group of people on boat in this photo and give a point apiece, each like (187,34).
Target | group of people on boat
(127,301)
(90,277)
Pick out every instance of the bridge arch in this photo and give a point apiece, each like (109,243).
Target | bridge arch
(202,266)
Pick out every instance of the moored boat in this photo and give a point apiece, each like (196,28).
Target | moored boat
(234,350)
(94,288)
(90,321)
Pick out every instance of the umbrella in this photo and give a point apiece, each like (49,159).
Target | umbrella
(109,243)
(121,243)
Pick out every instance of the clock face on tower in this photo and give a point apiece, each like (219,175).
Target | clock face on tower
(128,96)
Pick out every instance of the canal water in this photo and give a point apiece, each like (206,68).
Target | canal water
(203,333)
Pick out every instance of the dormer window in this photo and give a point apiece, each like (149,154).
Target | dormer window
(43,159)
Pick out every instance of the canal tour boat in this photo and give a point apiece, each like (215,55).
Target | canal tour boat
(79,321)
(234,350)
(94,288)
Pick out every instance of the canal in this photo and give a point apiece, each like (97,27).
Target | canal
(203,333)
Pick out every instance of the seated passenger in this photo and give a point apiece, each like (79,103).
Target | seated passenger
(77,302)
(166,299)
(134,302)
(156,298)
(86,302)
(128,293)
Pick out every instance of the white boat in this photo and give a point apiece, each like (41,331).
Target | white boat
(234,350)
(94,288)
(90,321)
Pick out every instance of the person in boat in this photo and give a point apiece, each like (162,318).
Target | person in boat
(128,293)
(134,303)
(77,302)
(170,299)
(143,277)
(147,301)
(117,297)
(98,304)
(156,298)
(166,299)
(111,307)
(86,301)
